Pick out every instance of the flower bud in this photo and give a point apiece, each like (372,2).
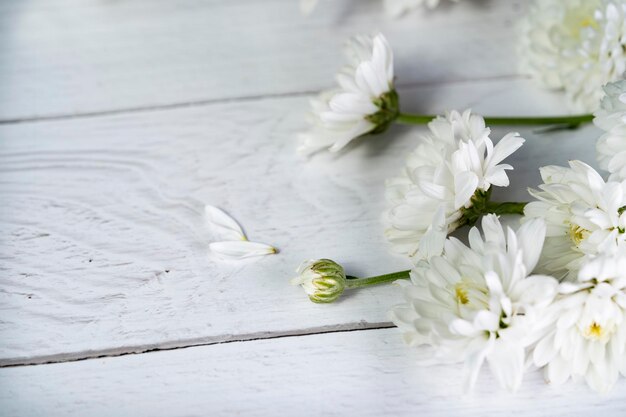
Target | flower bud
(322,279)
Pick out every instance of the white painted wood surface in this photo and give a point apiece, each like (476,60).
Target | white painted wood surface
(365,373)
(85,56)
(120,120)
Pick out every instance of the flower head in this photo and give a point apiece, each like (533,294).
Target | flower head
(611,117)
(586,336)
(322,279)
(479,303)
(365,101)
(446,179)
(585,216)
(576,45)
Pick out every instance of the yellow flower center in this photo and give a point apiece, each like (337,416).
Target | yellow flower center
(577,234)
(469,294)
(460,293)
(594,331)
(580,18)
(588,22)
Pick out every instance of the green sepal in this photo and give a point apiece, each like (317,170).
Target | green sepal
(478,207)
(389,110)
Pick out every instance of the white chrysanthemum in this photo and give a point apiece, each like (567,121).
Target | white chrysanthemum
(576,45)
(478,303)
(584,214)
(395,8)
(364,102)
(611,118)
(587,337)
(455,165)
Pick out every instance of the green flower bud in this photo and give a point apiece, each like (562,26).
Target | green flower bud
(322,279)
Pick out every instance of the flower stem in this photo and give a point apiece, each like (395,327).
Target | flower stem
(565,122)
(490,207)
(379,279)
(505,208)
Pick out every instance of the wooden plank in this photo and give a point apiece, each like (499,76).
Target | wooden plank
(103,246)
(88,56)
(364,373)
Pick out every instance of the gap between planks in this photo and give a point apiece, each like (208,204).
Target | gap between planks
(200,103)
(183,344)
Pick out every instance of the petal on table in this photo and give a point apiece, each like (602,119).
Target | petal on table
(223,223)
(241,249)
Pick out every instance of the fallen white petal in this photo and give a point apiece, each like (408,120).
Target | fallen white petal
(223,223)
(241,249)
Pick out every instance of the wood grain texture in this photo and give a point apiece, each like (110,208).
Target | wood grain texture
(73,57)
(120,120)
(363,373)
(103,245)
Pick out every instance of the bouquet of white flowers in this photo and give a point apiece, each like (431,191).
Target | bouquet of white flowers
(553,292)
(550,293)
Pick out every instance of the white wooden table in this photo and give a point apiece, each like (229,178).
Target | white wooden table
(120,120)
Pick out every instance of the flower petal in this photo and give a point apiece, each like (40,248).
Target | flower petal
(241,249)
(478,350)
(506,362)
(433,241)
(223,223)
(465,184)
(531,236)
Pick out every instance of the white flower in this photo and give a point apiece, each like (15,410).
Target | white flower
(478,304)
(395,8)
(365,101)
(587,337)
(584,214)
(611,118)
(576,45)
(322,279)
(236,244)
(451,170)
(612,112)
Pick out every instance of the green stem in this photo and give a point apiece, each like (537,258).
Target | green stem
(505,208)
(490,207)
(379,279)
(569,122)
